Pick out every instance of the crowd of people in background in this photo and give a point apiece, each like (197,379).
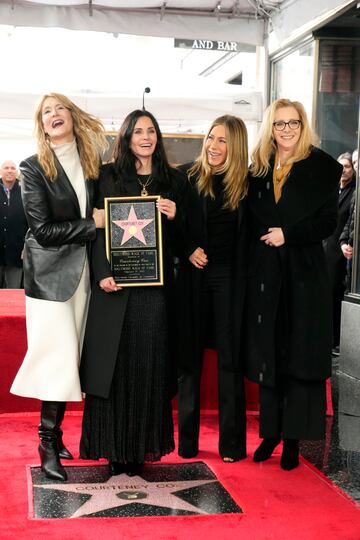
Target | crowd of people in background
(264,259)
(336,256)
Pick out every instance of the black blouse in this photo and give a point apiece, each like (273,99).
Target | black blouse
(221,225)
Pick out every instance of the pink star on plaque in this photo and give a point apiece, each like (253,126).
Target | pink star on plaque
(133,226)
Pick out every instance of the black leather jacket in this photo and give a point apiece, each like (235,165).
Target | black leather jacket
(55,245)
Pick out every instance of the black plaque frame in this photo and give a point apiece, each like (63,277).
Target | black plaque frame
(135,252)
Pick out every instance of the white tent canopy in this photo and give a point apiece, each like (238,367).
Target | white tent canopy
(240,20)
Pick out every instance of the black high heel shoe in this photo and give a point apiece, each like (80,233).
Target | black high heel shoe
(265,449)
(133,469)
(290,454)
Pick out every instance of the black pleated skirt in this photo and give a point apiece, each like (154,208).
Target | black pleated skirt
(134,424)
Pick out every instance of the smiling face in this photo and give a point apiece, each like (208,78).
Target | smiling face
(216,146)
(57,121)
(143,139)
(288,138)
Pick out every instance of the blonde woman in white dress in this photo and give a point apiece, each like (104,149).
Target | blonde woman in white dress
(58,189)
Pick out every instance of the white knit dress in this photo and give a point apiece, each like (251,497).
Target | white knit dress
(55,330)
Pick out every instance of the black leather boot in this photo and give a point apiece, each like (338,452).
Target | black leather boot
(63,451)
(265,449)
(48,447)
(290,454)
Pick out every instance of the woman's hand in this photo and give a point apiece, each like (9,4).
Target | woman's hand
(274,238)
(108,285)
(166,207)
(99,218)
(199,258)
(347,251)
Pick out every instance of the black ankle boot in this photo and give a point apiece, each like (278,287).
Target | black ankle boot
(265,449)
(48,447)
(63,451)
(290,454)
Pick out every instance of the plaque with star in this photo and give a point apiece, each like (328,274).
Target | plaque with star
(134,240)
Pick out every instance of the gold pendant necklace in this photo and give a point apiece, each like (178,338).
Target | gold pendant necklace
(144,192)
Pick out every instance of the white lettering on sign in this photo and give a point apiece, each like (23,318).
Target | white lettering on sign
(202,44)
(227,46)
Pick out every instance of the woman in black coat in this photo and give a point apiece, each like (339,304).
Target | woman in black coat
(127,357)
(210,286)
(293,191)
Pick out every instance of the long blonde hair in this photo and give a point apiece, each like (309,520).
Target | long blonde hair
(266,146)
(235,167)
(89,134)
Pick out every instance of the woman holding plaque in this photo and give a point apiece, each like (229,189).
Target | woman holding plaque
(210,286)
(127,355)
(293,202)
(58,189)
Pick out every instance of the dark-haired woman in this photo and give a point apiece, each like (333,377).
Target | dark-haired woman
(126,361)
(211,285)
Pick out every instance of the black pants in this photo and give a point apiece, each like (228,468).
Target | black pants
(293,409)
(216,300)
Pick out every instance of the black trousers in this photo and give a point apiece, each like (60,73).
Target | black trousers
(216,301)
(293,409)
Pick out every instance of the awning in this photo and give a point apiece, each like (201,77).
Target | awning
(240,20)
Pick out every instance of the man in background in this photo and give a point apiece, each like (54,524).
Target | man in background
(13,227)
(337,264)
(347,235)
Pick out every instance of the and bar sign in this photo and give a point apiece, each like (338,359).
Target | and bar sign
(210,45)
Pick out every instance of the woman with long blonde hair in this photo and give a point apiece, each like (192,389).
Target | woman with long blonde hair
(58,188)
(210,286)
(292,200)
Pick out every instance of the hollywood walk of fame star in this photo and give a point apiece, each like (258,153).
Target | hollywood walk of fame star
(132,226)
(120,490)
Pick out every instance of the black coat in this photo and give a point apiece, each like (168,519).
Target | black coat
(107,310)
(289,286)
(55,245)
(13,227)
(347,235)
(189,282)
(334,256)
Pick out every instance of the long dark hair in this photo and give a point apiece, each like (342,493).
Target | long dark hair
(125,160)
